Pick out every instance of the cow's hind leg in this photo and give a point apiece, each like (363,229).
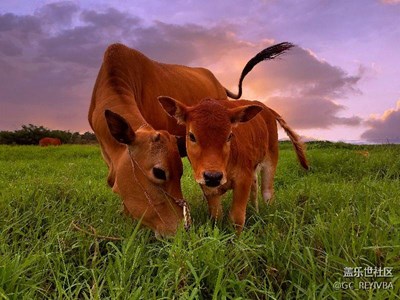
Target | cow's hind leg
(254,190)
(268,169)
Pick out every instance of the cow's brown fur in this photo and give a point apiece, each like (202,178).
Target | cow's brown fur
(128,85)
(48,141)
(130,80)
(253,146)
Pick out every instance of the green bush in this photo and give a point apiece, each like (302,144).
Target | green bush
(31,135)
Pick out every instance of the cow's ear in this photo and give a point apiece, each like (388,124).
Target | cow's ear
(174,108)
(243,113)
(119,128)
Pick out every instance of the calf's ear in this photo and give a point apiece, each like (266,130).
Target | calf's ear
(174,108)
(119,128)
(243,113)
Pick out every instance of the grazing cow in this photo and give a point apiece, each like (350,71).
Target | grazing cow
(127,86)
(48,141)
(227,142)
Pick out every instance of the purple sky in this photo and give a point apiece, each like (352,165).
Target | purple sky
(342,82)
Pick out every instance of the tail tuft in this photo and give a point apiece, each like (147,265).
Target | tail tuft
(266,54)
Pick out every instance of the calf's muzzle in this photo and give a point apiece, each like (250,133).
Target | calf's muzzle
(212,178)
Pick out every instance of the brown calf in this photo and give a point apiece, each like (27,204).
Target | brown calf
(227,142)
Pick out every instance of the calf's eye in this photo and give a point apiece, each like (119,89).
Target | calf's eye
(191,137)
(229,137)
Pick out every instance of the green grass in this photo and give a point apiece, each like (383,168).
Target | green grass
(345,212)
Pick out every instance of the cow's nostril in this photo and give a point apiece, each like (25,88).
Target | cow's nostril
(212,178)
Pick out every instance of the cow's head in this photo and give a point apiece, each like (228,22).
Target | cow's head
(148,175)
(209,135)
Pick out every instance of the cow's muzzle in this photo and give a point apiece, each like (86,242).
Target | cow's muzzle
(212,178)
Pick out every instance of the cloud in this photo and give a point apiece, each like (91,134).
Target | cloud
(384,128)
(110,18)
(23,25)
(49,61)
(58,13)
(186,44)
(310,112)
(8,48)
(390,1)
(304,89)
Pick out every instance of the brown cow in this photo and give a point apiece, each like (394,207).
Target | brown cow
(48,141)
(227,142)
(128,85)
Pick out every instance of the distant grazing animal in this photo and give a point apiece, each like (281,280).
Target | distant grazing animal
(127,86)
(227,143)
(48,141)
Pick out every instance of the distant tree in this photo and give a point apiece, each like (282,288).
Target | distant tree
(31,134)
(76,138)
(89,138)
(6,137)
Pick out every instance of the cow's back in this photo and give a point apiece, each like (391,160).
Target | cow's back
(129,78)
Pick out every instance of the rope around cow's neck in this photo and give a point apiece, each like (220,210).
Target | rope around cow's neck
(180,202)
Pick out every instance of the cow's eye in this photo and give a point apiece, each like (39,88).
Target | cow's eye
(159,173)
(229,137)
(191,137)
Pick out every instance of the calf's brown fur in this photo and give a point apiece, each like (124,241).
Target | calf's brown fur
(227,143)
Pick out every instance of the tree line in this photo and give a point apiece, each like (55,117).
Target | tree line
(31,135)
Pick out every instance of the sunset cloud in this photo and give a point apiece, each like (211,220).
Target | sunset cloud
(390,1)
(384,128)
(300,86)
(49,61)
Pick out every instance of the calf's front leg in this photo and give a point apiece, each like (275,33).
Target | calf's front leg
(241,193)
(214,206)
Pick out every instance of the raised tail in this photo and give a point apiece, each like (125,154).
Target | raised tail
(295,139)
(266,54)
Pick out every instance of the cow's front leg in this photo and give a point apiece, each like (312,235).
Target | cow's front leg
(241,193)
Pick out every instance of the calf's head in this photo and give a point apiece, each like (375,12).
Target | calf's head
(209,135)
(148,175)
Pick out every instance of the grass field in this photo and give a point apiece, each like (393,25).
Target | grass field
(345,212)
